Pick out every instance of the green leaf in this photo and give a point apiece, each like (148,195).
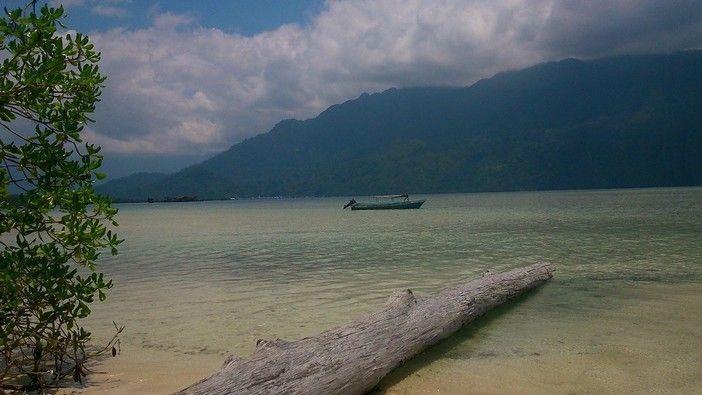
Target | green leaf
(56,230)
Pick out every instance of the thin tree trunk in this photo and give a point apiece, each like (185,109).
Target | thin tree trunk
(353,358)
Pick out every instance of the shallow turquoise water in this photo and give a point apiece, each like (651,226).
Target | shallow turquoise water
(212,277)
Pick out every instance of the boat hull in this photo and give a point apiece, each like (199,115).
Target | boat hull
(388,206)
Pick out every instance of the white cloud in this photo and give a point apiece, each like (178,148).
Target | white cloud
(106,8)
(178,87)
(109,11)
(167,21)
(68,3)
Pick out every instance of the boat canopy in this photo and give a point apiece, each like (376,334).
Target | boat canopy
(405,196)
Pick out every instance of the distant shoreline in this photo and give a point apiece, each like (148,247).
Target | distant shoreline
(252,198)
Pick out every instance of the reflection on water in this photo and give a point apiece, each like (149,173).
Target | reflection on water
(211,278)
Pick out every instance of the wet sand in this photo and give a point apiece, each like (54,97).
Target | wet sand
(643,346)
(146,371)
(649,341)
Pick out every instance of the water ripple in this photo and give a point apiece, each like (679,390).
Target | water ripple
(226,273)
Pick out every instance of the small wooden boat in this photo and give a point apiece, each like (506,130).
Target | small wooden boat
(388,202)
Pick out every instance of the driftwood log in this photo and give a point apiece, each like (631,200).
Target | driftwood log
(352,359)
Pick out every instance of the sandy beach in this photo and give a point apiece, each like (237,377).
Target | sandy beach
(650,344)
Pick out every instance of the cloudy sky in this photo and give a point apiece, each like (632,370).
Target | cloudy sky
(187,79)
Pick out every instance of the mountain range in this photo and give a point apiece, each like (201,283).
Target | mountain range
(625,121)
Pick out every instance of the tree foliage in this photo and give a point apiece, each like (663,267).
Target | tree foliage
(53,231)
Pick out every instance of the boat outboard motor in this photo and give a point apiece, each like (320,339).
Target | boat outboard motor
(350,203)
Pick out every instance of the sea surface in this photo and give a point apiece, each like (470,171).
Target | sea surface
(195,282)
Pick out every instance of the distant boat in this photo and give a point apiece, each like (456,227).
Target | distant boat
(182,198)
(387,202)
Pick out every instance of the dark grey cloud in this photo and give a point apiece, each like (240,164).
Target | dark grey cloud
(598,28)
(177,87)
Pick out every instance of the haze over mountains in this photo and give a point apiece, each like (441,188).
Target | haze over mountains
(627,121)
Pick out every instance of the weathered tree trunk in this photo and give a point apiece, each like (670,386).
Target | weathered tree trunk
(353,358)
